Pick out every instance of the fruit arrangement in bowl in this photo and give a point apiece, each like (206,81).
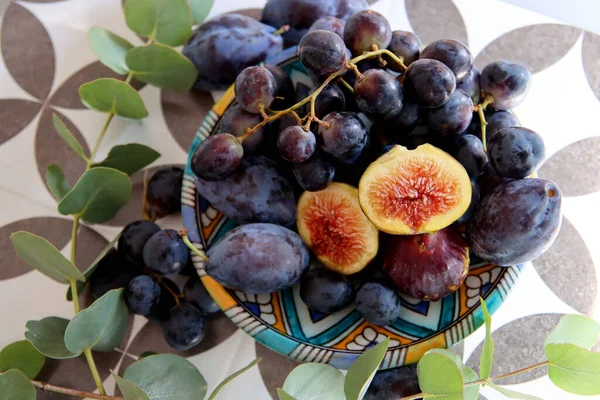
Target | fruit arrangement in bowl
(360,186)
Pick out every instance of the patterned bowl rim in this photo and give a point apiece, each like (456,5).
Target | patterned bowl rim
(272,338)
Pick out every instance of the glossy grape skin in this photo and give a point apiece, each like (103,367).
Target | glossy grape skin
(325,291)
(345,138)
(165,252)
(453,117)
(331,24)
(507,82)
(235,121)
(113,271)
(217,157)
(329,100)
(377,303)
(516,152)
(142,294)
(454,54)
(379,94)
(429,83)
(322,53)
(469,152)
(296,145)
(196,294)
(166,302)
(498,121)
(516,222)
(406,45)
(163,192)
(255,87)
(256,192)
(316,173)
(185,327)
(470,85)
(133,238)
(475,198)
(258,258)
(222,47)
(402,123)
(285,88)
(365,29)
(394,384)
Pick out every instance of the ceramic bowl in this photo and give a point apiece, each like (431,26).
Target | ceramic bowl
(283,323)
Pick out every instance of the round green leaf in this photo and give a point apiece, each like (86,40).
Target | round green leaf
(162,66)
(440,375)
(471,392)
(167,377)
(64,132)
(101,326)
(98,195)
(130,390)
(111,95)
(109,48)
(129,158)
(56,181)
(48,336)
(487,355)
(574,369)
(315,381)
(575,329)
(361,372)
(22,356)
(40,254)
(15,386)
(166,21)
(200,9)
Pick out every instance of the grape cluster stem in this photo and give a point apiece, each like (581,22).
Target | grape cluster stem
(480,108)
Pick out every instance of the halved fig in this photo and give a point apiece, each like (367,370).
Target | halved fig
(335,228)
(408,192)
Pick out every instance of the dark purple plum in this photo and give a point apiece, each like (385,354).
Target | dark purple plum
(344,138)
(163,192)
(394,384)
(379,94)
(475,198)
(406,45)
(256,192)
(322,53)
(469,152)
(196,294)
(255,89)
(331,24)
(217,157)
(236,121)
(454,54)
(453,117)
(142,294)
(516,222)
(258,258)
(365,29)
(296,145)
(516,152)
(325,291)
(429,83)
(508,83)
(500,120)
(377,303)
(185,327)
(133,238)
(113,271)
(316,173)
(222,47)
(470,85)
(285,88)
(165,252)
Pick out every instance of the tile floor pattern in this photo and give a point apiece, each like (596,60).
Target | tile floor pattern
(45,58)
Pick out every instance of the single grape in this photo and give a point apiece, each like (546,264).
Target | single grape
(285,88)
(500,120)
(322,53)
(454,54)
(163,192)
(516,152)
(470,85)
(489,180)
(316,173)
(195,293)
(453,117)
(394,384)
(296,145)
(142,294)
(165,252)
(406,45)
(185,327)
(365,29)
(469,152)
(406,120)
(329,100)
(217,157)
(508,83)
(331,24)
(475,198)
(255,87)
(236,121)
(377,303)
(113,271)
(325,291)
(166,301)
(133,238)
(379,94)
(429,83)
(344,138)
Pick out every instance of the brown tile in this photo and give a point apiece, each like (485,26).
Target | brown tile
(274,368)
(16,114)
(591,61)
(436,19)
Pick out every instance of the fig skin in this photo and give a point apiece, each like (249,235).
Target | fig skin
(334,227)
(428,266)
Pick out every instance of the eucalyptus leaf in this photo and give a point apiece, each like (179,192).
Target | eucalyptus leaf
(129,158)
(167,377)
(441,376)
(283,395)
(98,195)
(67,136)
(162,66)
(361,372)
(511,394)
(111,95)
(48,336)
(231,377)
(166,21)
(40,254)
(15,386)
(487,354)
(471,392)
(101,326)
(109,48)
(575,329)
(56,181)
(23,356)
(315,381)
(200,9)
(130,390)
(574,369)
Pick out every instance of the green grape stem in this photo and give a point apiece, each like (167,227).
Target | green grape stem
(480,108)
(186,240)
